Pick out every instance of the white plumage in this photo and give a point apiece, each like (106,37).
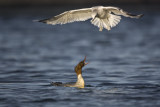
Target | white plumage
(102,17)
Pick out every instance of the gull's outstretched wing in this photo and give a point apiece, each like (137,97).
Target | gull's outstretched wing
(69,16)
(118,11)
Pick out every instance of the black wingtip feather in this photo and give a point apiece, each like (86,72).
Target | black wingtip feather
(141,15)
(135,16)
(43,21)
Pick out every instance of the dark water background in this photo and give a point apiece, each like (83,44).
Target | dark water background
(123,69)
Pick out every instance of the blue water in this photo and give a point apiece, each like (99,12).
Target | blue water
(123,69)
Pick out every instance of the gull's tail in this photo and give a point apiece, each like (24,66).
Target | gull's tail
(106,23)
(100,23)
(114,20)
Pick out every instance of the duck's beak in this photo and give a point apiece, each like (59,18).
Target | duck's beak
(85,60)
(86,63)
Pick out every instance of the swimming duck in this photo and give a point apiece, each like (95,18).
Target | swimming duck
(80,81)
(102,17)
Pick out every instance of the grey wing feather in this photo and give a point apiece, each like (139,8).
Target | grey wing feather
(70,16)
(119,11)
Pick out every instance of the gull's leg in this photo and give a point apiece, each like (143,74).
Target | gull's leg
(101,28)
(101,25)
(108,28)
(92,19)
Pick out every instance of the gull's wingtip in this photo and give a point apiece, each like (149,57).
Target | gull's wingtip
(141,15)
(35,20)
(43,21)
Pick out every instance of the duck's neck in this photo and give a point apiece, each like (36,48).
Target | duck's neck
(80,81)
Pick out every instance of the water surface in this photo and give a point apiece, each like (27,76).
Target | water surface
(123,69)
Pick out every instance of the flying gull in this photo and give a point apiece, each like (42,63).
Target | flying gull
(102,17)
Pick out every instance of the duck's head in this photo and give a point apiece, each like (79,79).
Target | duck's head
(78,68)
(83,63)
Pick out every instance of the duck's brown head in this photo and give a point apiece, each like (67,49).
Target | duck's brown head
(78,68)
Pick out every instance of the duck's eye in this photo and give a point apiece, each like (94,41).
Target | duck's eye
(82,63)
